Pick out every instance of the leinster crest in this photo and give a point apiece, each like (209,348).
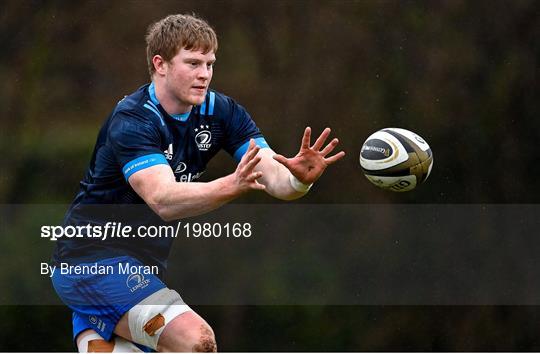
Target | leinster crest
(203,137)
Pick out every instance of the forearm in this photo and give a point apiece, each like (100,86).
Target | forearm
(276,178)
(172,200)
(180,200)
(280,187)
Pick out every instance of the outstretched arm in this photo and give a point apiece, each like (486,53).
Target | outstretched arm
(258,170)
(172,200)
(290,178)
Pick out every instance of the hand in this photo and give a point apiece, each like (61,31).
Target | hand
(310,162)
(245,177)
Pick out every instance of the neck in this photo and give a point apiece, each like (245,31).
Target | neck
(170,104)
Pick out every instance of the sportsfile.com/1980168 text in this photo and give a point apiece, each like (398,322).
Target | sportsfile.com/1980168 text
(119,230)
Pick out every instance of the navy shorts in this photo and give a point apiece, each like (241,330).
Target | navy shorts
(98,300)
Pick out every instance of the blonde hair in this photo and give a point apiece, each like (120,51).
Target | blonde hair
(167,36)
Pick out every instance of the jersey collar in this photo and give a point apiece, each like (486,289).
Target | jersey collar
(179,117)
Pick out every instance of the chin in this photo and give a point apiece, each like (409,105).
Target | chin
(198,100)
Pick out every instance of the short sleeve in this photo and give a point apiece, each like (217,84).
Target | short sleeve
(135,143)
(240,129)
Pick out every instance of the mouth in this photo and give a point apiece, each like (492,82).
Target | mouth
(199,88)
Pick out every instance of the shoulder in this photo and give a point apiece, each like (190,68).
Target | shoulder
(135,101)
(134,116)
(221,98)
(137,109)
(221,106)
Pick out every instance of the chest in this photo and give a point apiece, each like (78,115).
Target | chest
(189,146)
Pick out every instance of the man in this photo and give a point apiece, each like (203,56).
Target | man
(150,151)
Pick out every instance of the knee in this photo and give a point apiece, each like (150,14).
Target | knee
(204,340)
(199,338)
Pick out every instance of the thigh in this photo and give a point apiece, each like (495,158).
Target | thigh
(187,332)
(161,318)
(89,341)
(100,300)
(184,322)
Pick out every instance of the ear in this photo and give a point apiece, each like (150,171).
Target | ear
(160,65)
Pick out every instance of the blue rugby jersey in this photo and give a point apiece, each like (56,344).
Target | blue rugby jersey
(139,134)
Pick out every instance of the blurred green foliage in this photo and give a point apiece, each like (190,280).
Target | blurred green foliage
(463,74)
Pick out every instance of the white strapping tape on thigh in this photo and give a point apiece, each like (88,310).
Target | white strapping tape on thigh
(119,344)
(148,318)
(83,343)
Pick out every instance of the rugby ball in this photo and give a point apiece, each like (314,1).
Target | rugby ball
(396,159)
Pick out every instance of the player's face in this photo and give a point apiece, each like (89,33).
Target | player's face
(189,74)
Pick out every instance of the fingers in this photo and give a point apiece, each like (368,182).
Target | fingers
(251,152)
(252,163)
(251,160)
(254,176)
(321,139)
(306,139)
(252,149)
(328,148)
(248,163)
(335,158)
(258,186)
(253,181)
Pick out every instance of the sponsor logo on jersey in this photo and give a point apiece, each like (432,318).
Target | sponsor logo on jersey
(203,138)
(185,177)
(180,168)
(136,281)
(97,322)
(190,177)
(169,152)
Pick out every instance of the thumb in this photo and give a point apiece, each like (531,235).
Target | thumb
(282,160)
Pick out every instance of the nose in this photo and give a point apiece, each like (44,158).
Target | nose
(204,73)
